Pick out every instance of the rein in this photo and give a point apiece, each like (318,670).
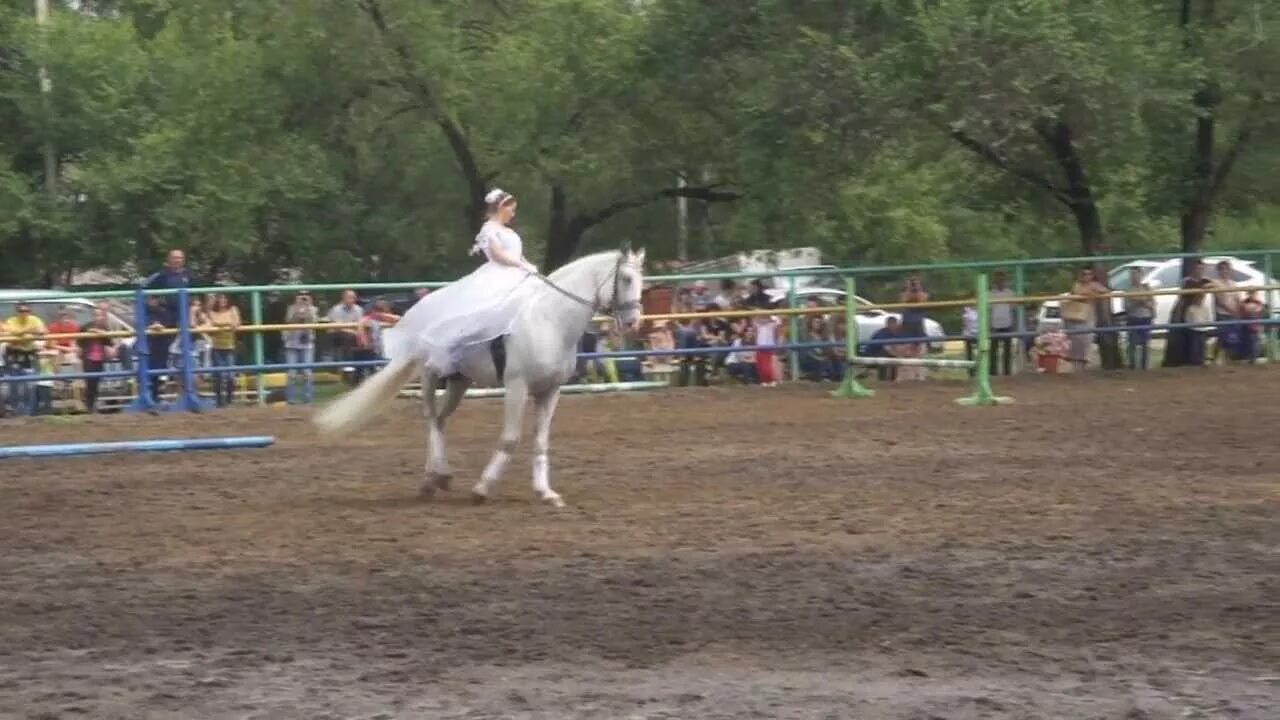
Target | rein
(615,306)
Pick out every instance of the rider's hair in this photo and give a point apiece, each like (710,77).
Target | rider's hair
(495,200)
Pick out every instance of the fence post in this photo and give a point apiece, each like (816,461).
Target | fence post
(793,329)
(188,397)
(142,400)
(1018,343)
(982,394)
(259,354)
(1270,332)
(849,386)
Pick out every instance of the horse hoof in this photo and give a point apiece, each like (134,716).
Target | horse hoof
(442,481)
(553,500)
(427,491)
(478,498)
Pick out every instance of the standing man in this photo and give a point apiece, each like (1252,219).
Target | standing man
(345,340)
(162,311)
(1002,322)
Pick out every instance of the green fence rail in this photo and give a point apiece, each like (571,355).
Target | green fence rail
(1018,268)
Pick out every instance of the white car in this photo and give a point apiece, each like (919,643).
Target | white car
(1166,275)
(870,320)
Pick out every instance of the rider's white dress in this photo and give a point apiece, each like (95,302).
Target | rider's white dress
(441,328)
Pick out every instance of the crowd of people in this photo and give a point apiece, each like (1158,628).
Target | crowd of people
(734,334)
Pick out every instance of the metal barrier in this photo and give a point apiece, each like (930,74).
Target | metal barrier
(147,367)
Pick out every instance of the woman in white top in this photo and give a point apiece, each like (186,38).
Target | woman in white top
(442,327)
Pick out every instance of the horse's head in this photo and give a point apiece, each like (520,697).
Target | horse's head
(622,295)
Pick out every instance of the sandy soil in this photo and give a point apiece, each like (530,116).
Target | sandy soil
(1104,548)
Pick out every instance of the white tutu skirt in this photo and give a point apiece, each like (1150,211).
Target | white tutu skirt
(443,327)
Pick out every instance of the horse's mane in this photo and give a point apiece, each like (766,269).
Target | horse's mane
(569,269)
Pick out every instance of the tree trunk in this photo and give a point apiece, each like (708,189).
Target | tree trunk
(413,82)
(562,242)
(1077,193)
(566,231)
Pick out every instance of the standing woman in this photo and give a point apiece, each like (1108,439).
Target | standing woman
(225,318)
(1078,316)
(913,326)
(443,326)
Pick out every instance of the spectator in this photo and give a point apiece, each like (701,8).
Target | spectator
(688,336)
(1226,305)
(816,363)
(20,356)
(699,299)
(1185,345)
(768,331)
(201,344)
(1107,337)
(1139,313)
(225,318)
(346,340)
(300,348)
(157,346)
(1251,308)
(1002,324)
(162,311)
(95,353)
(969,320)
(913,327)
(741,364)
(728,296)
(64,325)
(714,333)
(1078,314)
(882,345)
(661,338)
(757,298)
(369,336)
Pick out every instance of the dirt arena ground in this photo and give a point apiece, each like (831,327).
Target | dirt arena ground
(1104,548)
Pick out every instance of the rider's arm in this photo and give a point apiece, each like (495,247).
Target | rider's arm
(499,255)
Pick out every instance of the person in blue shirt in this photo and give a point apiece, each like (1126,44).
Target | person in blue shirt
(162,310)
(879,347)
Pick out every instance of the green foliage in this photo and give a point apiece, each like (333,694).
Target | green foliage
(264,135)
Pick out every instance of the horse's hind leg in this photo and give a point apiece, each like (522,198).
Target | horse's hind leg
(436,412)
(513,404)
(544,409)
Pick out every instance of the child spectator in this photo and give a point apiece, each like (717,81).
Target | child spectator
(95,353)
(768,329)
(741,364)
(969,319)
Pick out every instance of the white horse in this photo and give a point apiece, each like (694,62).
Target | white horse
(541,355)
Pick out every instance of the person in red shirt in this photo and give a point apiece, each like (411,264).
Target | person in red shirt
(369,335)
(64,325)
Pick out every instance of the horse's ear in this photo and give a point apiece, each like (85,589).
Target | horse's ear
(625,247)
(639,256)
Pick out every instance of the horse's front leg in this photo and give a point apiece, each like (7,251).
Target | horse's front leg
(513,405)
(544,409)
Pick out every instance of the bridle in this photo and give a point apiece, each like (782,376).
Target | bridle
(614,307)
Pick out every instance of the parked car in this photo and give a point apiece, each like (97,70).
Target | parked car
(1167,275)
(870,320)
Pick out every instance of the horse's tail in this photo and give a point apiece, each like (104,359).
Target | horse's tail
(357,407)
